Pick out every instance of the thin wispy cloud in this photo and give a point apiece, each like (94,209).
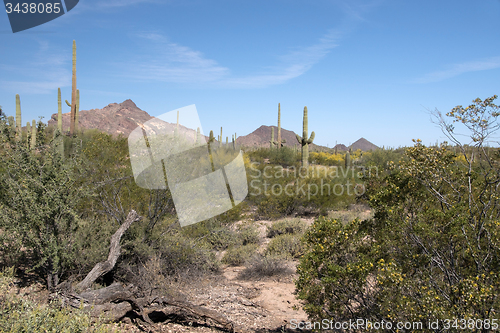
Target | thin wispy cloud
(45,71)
(290,66)
(171,62)
(175,63)
(458,69)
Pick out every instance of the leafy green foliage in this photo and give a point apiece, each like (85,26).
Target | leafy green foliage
(248,235)
(237,256)
(431,252)
(289,226)
(333,273)
(279,191)
(221,238)
(18,314)
(39,195)
(285,246)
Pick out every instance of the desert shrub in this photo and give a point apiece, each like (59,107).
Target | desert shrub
(91,243)
(265,266)
(237,256)
(285,156)
(222,238)
(168,248)
(274,207)
(179,254)
(325,158)
(22,315)
(334,268)
(286,246)
(290,226)
(278,191)
(39,195)
(248,235)
(431,251)
(358,211)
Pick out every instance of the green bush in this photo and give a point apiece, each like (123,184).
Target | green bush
(274,207)
(265,266)
(431,252)
(334,269)
(237,256)
(248,235)
(284,156)
(222,238)
(293,226)
(21,315)
(285,246)
(277,191)
(39,195)
(176,253)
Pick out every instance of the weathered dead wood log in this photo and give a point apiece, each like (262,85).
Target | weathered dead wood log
(114,252)
(115,301)
(196,311)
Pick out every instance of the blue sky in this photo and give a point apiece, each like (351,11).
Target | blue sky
(368,69)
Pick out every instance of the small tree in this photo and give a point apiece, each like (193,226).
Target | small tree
(39,194)
(432,252)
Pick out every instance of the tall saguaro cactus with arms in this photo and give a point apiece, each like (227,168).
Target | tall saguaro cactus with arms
(59,111)
(304,141)
(279,142)
(272,142)
(18,118)
(73,94)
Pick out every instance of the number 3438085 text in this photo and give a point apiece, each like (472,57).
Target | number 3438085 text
(33,8)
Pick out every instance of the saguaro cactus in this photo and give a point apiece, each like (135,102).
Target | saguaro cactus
(18,117)
(304,141)
(33,135)
(176,131)
(220,142)
(347,159)
(59,110)
(272,142)
(234,145)
(28,133)
(73,94)
(198,139)
(77,110)
(211,139)
(74,97)
(279,142)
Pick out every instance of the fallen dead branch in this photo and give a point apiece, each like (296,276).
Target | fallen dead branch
(115,301)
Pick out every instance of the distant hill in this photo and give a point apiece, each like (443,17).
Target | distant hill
(364,145)
(123,118)
(113,119)
(341,147)
(261,136)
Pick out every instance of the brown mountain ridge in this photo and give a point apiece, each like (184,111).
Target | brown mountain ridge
(123,118)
